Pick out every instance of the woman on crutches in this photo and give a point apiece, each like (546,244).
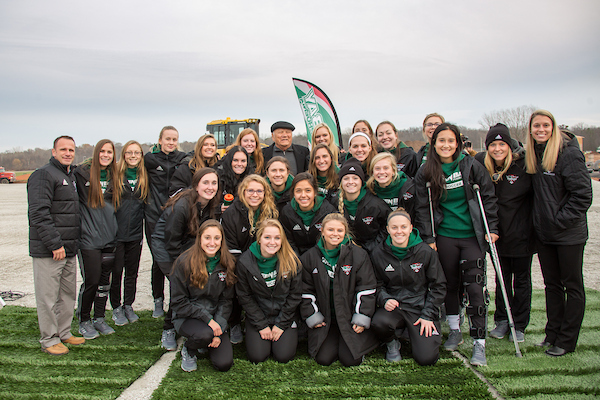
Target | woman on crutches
(461,241)
(505,162)
(562,196)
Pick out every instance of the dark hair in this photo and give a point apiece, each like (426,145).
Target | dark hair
(304,176)
(230,180)
(95,195)
(432,170)
(277,159)
(331,182)
(62,137)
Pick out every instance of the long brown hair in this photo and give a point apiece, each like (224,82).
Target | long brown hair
(289,263)
(95,195)
(335,151)
(432,170)
(553,146)
(198,161)
(331,175)
(195,258)
(257,155)
(142,175)
(268,209)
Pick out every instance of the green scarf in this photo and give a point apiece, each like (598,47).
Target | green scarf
(155,148)
(212,262)
(450,167)
(307,216)
(400,252)
(331,256)
(131,177)
(352,206)
(392,190)
(267,266)
(103,179)
(288,185)
(424,159)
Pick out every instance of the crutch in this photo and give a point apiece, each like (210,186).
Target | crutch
(498,268)
(431,209)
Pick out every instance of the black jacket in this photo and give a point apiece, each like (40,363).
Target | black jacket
(176,230)
(299,235)
(301,155)
(182,178)
(98,225)
(266,306)
(130,215)
(406,198)
(214,301)
(354,288)
(472,173)
(406,161)
(417,282)
(562,197)
(515,201)
(158,246)
(420,155)
(237,228)
(160,167)
(53,210)
(368,225)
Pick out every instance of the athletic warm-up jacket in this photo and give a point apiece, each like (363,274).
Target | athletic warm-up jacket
(354,288)
(368,226)
(237,228)
(160,167)
(300,236)
(130,215)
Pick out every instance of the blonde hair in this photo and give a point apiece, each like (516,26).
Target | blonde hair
(425,121)
(257,154)
(197,161)
(332,175)
(553,146)
(142,174)
(267,207)
(168,128)
(332,147)
(339,217)
(379,157)
(289,263)
(490,165)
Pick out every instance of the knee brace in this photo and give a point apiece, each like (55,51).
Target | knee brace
(474,273)
(108,259)
(102,290)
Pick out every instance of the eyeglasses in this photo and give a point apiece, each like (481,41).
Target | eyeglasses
(429,124)
(252,192)
(131,153)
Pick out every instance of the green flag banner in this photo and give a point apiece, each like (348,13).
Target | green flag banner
(317,108)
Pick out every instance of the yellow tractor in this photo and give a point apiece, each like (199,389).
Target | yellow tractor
(227,130)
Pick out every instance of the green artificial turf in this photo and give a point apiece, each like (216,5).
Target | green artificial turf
(99,369)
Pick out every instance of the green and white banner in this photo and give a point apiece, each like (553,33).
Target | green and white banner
(317,108)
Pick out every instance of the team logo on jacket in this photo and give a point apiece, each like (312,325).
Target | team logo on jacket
(389,268)
(222,276)
(65,183)
(367,220)
(416,266)
(408,196)
(549,173)
(347,269)
(400,166)
(319,227)
(511,178)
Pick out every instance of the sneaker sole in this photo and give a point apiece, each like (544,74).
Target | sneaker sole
(189,370)
(452,348)
(121,324)
(89,337)
(158,315)
(478,364)
(393,360)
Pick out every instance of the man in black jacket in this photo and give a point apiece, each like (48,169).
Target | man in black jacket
(297,155)
(53,242)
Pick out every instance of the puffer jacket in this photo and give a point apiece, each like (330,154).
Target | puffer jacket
(53,210)
(299,235)
(266,306)
(417,282)
(160,167)
(368,225)
(130,215)
(562,197)
(177,236)
(237,228)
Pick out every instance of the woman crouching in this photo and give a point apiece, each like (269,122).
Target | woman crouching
(201,298)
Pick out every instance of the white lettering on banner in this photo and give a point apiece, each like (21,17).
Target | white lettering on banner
(309,105)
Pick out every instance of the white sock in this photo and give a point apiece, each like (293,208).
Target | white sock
(454,322)
(480,341)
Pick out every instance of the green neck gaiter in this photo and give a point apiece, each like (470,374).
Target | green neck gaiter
(308,216)
(352,206)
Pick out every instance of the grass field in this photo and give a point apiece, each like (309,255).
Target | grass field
(102,368)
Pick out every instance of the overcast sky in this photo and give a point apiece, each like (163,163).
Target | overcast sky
(124,69)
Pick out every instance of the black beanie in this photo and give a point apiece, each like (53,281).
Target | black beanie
(498,132)
(352,166)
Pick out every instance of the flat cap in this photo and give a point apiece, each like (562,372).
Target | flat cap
(282,125)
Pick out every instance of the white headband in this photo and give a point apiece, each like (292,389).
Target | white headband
(359,134)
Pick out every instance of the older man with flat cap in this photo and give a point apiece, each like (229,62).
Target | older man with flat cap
(297,155)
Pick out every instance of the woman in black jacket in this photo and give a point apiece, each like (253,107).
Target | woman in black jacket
(269,288)
(392,186)
(323,168)
(279,177)
(562,195)
(232,169)
(505,163)
(202,288)
(303,216)
(203,155)
(461,240)
(430,123)
(97,244)
(338,296)
(410,291)
(161,163)
(133,181)
(406,158)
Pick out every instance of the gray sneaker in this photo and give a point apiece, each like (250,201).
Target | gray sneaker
(188,362)
(102,327)
(130,314)
(520,336)
(500,330)
(119,317)
(478,357)
(235,334)
(454,339)
(87,330)
(167,340)
(393,351)
(158,308)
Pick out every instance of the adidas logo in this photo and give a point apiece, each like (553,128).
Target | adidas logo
(498,137)
(65,182)
(352,169)
(87,183)
(315,271)
(389,268)
(159,168)
(297,227)
(244,229)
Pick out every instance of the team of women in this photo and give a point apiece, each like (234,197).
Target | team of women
(364,247)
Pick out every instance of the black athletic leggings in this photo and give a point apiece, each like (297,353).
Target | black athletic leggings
(452,252)
(158,277)
(516,272)
(334,347)
(96,267)
(127,257)
(199,335)
(258,349)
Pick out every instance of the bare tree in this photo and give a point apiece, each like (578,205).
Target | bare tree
(515,118)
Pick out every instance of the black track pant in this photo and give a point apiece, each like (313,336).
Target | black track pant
(452,253)
(199,335)
(127,257)
(516,272)
(258,349)
(96,267)
(425,350)
(157,278)
(562,268)
(334,347)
